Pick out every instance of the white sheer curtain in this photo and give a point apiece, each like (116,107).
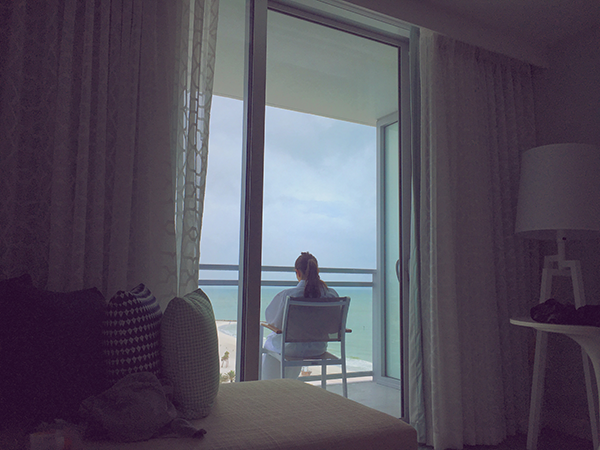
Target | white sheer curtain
(90,170)
(469,273)
(193,95)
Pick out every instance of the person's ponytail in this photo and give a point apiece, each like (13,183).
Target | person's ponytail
(313,281)
(307,264)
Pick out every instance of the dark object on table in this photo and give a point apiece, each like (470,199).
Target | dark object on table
(552,311)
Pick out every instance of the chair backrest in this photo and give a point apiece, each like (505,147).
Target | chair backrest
(315,319)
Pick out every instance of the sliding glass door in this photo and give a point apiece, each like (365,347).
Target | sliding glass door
(320,170)
(328,88)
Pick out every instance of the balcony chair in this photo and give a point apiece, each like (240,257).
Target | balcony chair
(313,320)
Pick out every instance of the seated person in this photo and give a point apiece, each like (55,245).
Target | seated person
(309,285)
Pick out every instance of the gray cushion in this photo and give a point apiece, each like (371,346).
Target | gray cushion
(190,354)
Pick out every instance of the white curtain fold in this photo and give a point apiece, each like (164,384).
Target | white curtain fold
(197,39)
(88,141)
(469,273)
(415,332)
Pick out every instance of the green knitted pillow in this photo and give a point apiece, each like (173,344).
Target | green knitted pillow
(190,353)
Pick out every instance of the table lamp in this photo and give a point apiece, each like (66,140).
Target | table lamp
(559,199)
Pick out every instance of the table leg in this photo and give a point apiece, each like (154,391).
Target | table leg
(591,345)
(590,397)
(537,389)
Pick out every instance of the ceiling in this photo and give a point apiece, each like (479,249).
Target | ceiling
(310,68)
(320,71)
(543,21)
(522,29)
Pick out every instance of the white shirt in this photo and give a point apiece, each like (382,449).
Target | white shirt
(274,316)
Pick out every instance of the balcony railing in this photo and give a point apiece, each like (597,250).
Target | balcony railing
(222,275)
(369,273)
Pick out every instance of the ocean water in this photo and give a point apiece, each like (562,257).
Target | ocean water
(359,343)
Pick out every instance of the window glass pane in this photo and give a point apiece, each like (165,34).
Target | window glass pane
(320,196)
(392,251)
(326,89)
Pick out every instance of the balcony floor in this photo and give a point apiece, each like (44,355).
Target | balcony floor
(368,393)
(362,390)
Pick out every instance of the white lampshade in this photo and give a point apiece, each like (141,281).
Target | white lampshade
(559,191)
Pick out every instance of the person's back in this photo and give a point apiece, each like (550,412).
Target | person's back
(309,285)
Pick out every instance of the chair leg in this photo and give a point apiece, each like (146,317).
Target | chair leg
(344,381)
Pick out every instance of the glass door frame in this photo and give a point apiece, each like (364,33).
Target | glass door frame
(248,345)
(403,118)
(380,300)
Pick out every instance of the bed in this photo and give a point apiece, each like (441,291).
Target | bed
(284,414)
(52,362)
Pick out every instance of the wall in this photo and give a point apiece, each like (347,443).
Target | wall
(449,23)
(568,107)
(568,110)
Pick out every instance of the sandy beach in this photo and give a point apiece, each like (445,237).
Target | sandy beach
(227,343)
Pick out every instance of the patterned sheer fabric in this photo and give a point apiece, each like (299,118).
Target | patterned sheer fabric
(91,172)
(197,27)
(469,272)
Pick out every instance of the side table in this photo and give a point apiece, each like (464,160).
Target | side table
(589,340)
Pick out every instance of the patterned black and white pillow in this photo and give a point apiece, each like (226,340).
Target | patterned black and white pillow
(131,332)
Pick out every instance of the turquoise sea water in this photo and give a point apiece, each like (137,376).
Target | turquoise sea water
(358,343)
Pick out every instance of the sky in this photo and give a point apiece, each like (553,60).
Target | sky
(319,189)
